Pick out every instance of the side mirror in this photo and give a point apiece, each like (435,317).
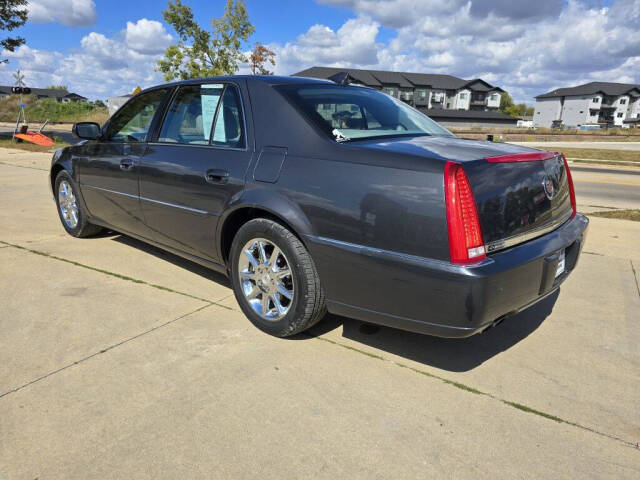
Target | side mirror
(86,130)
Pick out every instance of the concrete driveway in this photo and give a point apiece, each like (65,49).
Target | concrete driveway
(121,361)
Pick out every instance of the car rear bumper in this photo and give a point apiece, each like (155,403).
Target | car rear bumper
(437,297)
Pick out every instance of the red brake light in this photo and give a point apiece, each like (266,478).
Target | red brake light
(572,192)
(465,236)
(521,157)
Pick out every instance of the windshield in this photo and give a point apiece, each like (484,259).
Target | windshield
(357,113)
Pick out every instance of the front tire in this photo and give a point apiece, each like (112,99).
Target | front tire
(274,279)
(72,215)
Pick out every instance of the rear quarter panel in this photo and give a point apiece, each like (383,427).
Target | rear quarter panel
(365,205)
(379,206)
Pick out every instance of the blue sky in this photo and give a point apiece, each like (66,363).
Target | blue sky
(104,47)
(270,18)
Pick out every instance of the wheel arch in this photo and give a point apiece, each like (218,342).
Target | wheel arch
(278,209)
(61,161)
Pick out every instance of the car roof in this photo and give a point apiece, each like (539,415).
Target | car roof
(269,79)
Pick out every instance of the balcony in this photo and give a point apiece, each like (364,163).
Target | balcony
(477,101)
(608,102)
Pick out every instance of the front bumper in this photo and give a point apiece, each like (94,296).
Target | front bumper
(439,298)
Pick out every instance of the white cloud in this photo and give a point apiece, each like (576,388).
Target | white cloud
(147,36)
(352,44)
(72,13)
(101,67)
(525,47)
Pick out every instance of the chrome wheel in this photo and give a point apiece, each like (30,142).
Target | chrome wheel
(68,204)
(265,279)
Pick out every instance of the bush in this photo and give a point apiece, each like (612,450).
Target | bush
(39,110)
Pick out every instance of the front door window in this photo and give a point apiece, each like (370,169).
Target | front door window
(131,123)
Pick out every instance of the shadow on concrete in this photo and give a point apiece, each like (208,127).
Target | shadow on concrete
(193,267)
(456,355)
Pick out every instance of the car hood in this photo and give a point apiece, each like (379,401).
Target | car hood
(441,147)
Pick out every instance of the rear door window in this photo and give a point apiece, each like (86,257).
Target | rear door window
(191,115)
(229,126)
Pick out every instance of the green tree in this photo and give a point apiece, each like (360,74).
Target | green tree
(202,53)
(58,87)
(13,14)
(509,108)
(506,103)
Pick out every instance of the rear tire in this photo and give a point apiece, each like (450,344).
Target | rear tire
(70,210)
(257,276)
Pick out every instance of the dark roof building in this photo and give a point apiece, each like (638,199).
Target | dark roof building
(58,95)
(604,103)
(471,118)
(421,90)
(592,88)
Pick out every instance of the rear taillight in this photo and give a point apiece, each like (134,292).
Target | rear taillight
(572,192)
(465,236)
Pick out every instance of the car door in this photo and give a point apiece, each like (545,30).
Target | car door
(195,166)
(108,168)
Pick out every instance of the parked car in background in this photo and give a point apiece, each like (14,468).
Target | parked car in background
(316,196)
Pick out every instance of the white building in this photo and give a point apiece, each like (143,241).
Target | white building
(607,104)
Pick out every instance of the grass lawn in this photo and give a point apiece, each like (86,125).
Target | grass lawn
(633,214)
(596,153)
(39,110)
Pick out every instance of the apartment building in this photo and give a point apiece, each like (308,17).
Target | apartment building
(604,103)
(425,91)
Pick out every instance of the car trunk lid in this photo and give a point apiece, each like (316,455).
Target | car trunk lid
(520,197)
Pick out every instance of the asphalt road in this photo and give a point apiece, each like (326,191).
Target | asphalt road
(631,146)
(602,188)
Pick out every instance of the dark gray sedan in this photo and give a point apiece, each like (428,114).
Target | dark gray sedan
(314,196)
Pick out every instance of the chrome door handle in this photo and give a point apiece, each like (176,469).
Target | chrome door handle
(216,176)
(126,164)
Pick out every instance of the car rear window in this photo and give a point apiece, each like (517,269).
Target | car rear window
(346,113)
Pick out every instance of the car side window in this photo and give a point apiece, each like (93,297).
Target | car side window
(190,117)
(131,123)
(228,130)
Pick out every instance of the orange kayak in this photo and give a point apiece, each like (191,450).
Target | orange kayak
(35,137)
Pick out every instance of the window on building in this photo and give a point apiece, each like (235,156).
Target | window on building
(596,100)
(623,101)
(494,97)
(620,114)
(390,91)
(463,96)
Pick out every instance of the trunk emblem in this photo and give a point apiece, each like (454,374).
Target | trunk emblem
(548,187)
